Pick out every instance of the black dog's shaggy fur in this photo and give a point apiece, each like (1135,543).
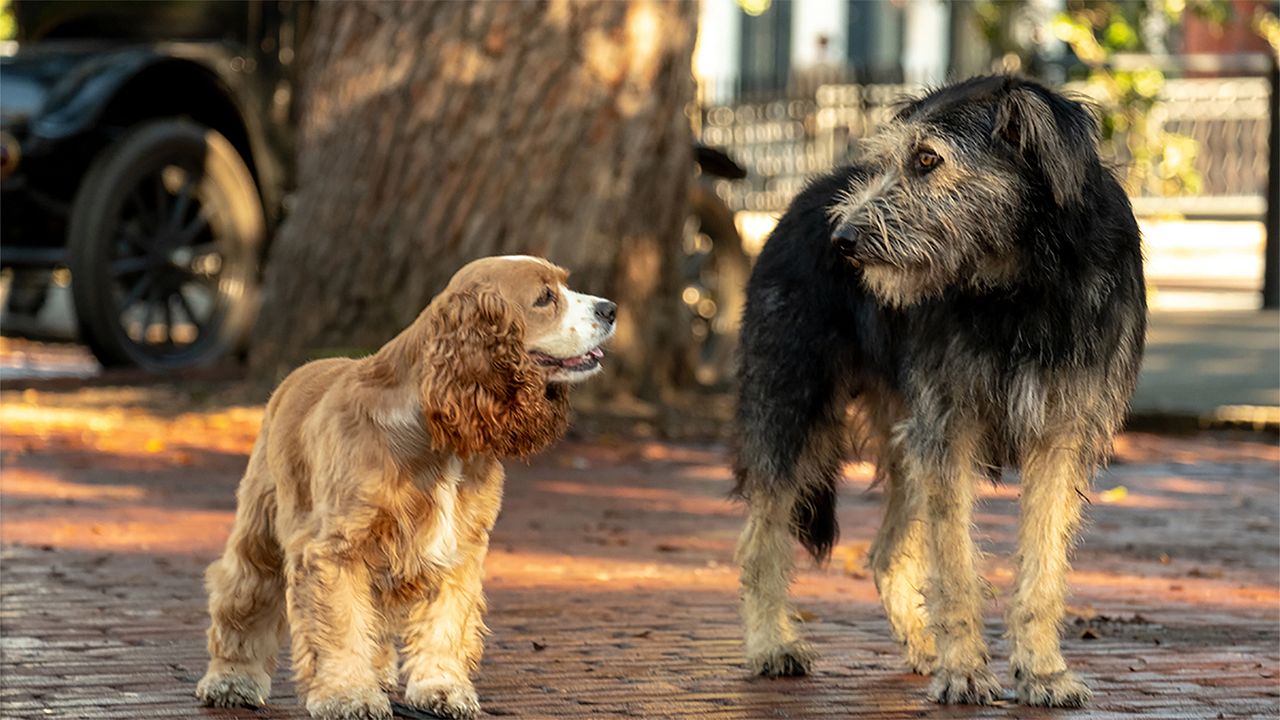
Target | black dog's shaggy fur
(984,318)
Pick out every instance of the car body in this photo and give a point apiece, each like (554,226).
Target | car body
(80,75)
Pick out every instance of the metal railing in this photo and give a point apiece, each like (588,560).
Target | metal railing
(783,142)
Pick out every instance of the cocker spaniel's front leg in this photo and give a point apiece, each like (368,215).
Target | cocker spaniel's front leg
(335,631)
(443,642)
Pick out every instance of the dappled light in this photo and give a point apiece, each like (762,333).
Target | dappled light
(643,498)
(37,486)
(626,514)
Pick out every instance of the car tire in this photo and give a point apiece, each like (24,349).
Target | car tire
(167,222)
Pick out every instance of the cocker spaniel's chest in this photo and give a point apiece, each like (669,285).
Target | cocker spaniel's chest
(431,524)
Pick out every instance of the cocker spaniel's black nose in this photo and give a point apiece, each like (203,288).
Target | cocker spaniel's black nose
(607,311)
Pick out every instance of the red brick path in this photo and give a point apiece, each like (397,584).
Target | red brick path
(611,581)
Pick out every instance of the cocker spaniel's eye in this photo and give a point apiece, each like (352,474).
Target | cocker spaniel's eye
(927,160)
(547,297)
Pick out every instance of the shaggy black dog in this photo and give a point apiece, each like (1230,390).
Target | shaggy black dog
(967,297)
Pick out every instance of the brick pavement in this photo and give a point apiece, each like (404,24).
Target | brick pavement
(611,582)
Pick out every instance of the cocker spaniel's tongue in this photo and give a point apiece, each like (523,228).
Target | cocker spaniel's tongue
(592,356)
(589,358)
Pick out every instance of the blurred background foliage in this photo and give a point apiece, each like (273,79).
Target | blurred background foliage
(1096,32)
(8,26)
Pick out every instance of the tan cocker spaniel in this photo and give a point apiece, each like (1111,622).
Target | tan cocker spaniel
(364,514)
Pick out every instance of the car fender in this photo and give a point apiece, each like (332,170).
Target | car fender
(77,102)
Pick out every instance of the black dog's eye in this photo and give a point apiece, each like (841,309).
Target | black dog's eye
(927,160)
(547,297)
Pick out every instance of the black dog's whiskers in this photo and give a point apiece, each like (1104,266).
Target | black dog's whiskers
(982,307)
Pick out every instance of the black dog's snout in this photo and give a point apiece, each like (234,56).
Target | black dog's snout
(845,239)
(607,311)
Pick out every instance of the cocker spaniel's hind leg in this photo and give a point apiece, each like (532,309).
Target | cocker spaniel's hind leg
(246,601)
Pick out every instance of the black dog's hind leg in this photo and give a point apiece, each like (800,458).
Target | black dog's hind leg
(774,646)
(804,508)
(790,449)
(899,560)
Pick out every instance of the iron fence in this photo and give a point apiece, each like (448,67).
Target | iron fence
(782,142)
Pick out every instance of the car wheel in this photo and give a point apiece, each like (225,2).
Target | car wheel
(165,235)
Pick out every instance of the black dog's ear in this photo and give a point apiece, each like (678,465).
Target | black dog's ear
(1055,133)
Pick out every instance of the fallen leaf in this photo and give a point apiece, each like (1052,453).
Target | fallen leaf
(1115,494)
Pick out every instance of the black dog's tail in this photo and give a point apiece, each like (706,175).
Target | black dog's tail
(805,482)
(814,523)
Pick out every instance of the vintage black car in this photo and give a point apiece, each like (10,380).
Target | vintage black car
(147,147)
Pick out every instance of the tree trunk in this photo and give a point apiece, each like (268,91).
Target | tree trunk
(435,133)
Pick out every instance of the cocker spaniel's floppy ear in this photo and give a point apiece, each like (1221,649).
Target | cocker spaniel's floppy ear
(481,392)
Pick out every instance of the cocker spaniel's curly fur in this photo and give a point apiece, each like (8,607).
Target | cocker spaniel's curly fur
(364,514)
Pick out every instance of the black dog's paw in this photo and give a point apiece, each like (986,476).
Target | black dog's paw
(790,660)
(1061,689)
(964,687)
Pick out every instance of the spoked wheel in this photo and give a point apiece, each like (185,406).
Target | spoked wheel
(165,236)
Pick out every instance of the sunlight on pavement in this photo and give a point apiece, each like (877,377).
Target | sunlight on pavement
(36,485)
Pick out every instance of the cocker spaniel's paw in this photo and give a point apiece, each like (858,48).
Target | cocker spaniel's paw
(964,687)
(229,688)
(792,659)
(444,698)
(362,703)
(1062,689)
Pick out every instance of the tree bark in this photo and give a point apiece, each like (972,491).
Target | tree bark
(435,133)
